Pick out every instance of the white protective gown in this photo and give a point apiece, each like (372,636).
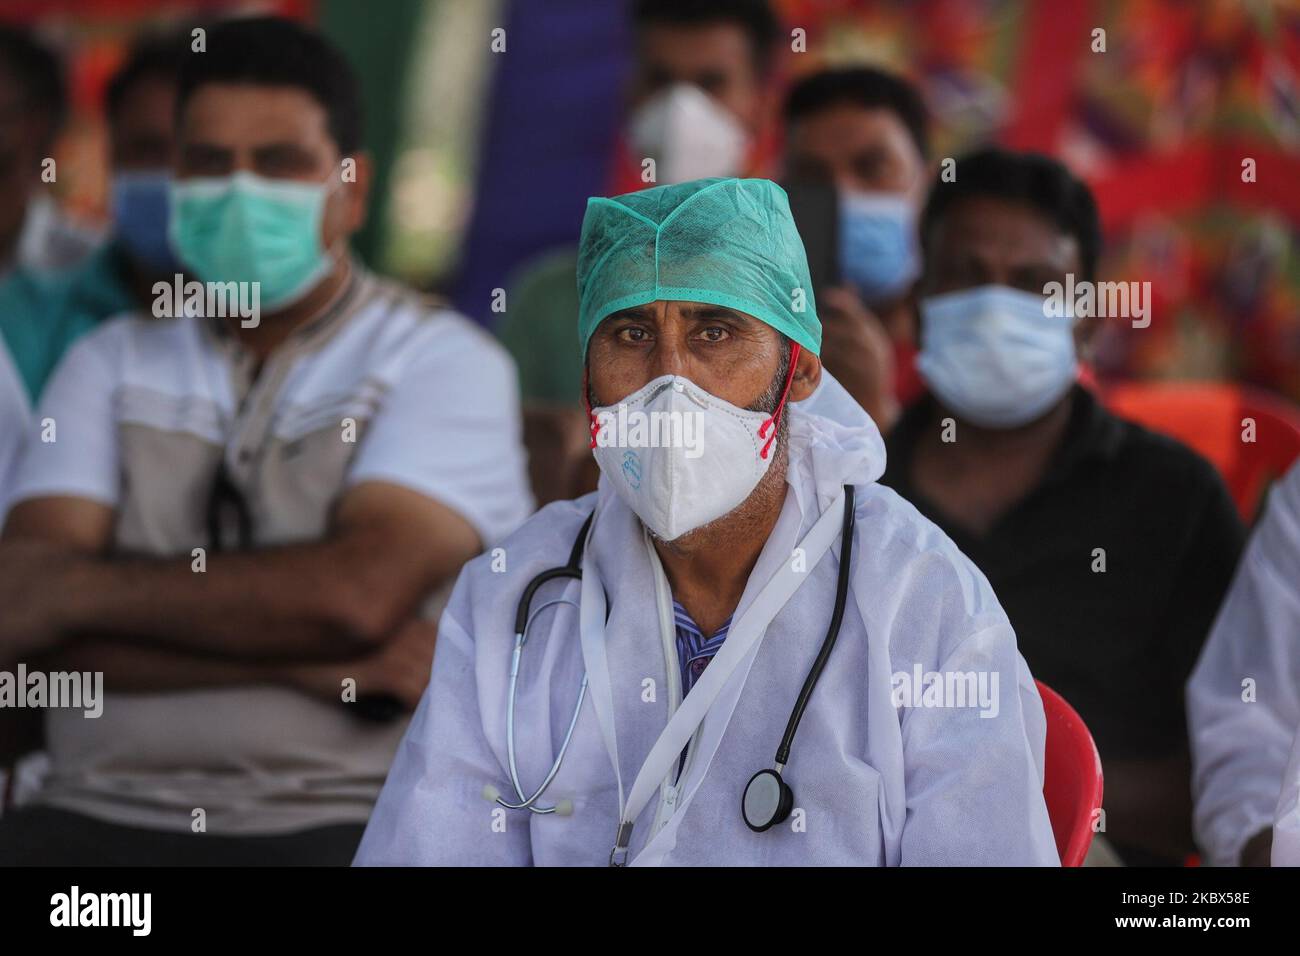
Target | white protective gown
(873,784)
(1286,831)
(1243,699)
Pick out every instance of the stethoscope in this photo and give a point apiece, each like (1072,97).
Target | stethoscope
(767,800)
(523,620)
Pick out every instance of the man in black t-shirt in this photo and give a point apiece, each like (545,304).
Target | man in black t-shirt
(1109,547)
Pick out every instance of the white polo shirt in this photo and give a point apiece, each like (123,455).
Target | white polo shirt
(382,387)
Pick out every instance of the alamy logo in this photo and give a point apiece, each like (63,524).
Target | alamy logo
(242,300)
(61,689)
(1105,300)
(924,689)
(75,908)
(629,428)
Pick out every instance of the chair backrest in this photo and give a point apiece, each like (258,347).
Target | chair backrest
(1215,419)
(1071,777)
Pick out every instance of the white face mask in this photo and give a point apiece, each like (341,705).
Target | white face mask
(689,135)
(681,457)
(992,356)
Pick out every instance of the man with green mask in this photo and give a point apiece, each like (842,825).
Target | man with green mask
(241,516)
(738,536)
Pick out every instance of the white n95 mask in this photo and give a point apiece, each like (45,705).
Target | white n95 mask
(994,356)
(681,457)
(688,135)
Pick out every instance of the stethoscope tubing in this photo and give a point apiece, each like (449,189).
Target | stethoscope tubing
(527,802)
(832,633)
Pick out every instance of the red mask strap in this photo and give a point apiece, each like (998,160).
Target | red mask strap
(593,426)
(775,420)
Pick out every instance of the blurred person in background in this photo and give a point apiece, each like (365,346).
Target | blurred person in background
(1110,547)
(1243,701)
(34,233)
(700,103)
(865,132)
(240,520)
(43,311)
(14,412)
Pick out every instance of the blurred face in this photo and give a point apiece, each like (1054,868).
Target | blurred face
(21,137)
(988,241)
(859,150)
(718,58)
(277,133)
(729,354)
(142,133)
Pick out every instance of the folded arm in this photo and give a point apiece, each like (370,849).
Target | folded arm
(388,547)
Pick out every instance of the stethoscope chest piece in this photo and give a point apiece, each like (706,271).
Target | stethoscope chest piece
(767,801)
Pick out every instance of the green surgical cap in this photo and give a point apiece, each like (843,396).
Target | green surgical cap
(727,242)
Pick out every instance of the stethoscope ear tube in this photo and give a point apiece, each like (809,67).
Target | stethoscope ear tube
(523,617)
(767,799)
(573,569)
(832,633)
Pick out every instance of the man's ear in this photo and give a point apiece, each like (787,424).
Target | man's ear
(1085,334)
(357,172)
(807,376)
(912,304)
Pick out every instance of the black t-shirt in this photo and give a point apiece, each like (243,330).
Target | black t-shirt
(1119,645)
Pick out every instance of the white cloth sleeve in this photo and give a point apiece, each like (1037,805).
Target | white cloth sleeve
(451,429)
(1243,699)
(975,783)
(71,447)
(432,811)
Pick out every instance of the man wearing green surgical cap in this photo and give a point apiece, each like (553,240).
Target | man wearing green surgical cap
(739,575)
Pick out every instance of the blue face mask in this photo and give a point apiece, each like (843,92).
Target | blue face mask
(878,248)
(141,209)
(994,355)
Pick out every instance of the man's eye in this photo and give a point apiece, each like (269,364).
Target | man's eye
(714,333)
(633,334)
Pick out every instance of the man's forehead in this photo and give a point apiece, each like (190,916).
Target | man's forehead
(272,113)
(691,44)
(864,124)
(991,226)
(686,310)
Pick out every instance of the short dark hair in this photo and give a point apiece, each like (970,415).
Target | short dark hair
(158,56)
(755,17)
(866,87)
(272,51)
(38,74)
(1040,182)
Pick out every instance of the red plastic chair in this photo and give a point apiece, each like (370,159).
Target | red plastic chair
(1071,777)
(1207,416)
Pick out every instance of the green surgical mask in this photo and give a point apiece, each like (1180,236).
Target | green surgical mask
(245,228)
